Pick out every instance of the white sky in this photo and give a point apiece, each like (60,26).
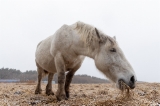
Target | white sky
(136,24)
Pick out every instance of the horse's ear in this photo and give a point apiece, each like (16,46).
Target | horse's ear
(97,33)
(114,37)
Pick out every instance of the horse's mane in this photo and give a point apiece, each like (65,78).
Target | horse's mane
(89,35)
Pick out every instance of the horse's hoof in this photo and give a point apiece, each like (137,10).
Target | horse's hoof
(67,94)
(38,91)
(61,97)
(66,98)
(49,93)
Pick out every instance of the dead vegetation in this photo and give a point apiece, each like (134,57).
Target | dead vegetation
(22,94)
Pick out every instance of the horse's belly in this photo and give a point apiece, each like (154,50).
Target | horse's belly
(50,66)
(77,62)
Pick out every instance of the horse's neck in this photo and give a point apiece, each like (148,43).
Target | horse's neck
(81,49)
(88,53)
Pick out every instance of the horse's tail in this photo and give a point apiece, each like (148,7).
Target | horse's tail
(43,71)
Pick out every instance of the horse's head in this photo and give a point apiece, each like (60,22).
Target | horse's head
(111,61)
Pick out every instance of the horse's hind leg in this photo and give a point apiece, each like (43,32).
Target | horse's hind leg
(38,89)
(49,85)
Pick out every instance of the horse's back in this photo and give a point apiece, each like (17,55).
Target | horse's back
(62,40)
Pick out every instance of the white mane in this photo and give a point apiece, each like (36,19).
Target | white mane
(89,35)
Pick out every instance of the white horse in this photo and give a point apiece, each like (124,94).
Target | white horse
(66,49)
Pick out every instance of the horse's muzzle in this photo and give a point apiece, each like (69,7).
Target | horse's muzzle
(130,84)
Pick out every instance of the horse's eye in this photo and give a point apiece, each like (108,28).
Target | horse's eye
(113,50)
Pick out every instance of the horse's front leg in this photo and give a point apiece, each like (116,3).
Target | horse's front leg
(69,77)
(59,62)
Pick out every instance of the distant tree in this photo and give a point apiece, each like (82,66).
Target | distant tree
(31,75)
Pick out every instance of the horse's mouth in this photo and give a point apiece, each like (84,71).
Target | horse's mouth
(123,85)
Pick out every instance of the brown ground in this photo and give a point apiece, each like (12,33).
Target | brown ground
(22,94)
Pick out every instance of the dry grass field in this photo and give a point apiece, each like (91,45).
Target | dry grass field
(22,94)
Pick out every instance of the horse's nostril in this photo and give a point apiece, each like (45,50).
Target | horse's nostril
(132,79)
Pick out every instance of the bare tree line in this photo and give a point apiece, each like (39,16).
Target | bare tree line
(31,75)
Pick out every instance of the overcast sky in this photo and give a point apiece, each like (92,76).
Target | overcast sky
(135,23)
